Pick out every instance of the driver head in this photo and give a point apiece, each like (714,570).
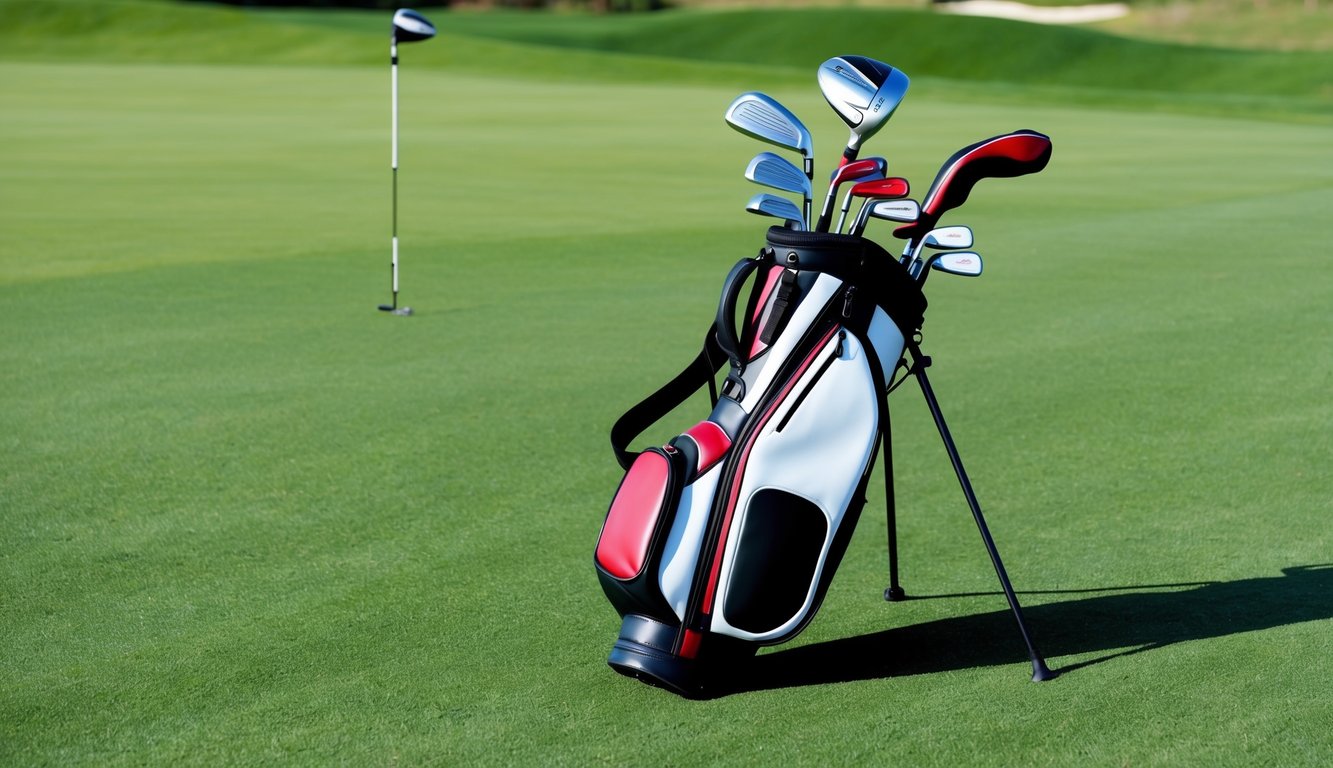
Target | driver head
(863,92)
(410,26)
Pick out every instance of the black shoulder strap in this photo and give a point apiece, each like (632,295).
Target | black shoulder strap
(698,373)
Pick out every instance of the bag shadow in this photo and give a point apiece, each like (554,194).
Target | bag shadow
(1129,621)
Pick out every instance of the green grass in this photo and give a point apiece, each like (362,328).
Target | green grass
(249,519)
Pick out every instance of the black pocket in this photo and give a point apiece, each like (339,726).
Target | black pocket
(777,556)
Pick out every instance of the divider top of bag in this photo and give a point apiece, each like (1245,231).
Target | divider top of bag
(857,261)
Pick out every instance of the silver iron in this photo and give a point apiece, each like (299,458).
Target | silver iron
(903,211)
(952,238)
(760,116)
(770,170)
(764,204)
(964,263)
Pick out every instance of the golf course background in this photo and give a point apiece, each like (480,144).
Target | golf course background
(246,518)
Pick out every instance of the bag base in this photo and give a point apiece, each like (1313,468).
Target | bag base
(643,652)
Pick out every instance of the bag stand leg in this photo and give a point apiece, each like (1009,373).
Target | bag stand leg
(894,592)
(921,362)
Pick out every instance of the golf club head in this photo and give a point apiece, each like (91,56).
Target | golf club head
(770,170)
(760,116)
(859,170)
(894,186)
(903,211)
(895,210)
(952,238)
(764,204)
(410,26)
(964,263)
(863,92)
(1011,154)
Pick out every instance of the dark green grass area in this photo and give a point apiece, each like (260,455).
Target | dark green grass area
(952,56)
(249,519)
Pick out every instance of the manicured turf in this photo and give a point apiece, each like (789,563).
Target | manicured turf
(249,519)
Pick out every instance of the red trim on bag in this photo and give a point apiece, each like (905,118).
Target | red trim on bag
(689,645)
(622,548)
(711,590)
(770,282)
(712,441)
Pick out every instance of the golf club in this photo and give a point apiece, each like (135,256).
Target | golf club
(762,117)
(864,93)
(953,238)
(770,170)
(894,186)
(870,168)
(764,204)
(903,211)
(964,263)
(408,27)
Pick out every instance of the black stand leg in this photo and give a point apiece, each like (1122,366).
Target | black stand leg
(894,593)
(1039,669)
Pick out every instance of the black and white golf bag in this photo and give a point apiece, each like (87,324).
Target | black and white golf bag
(726,538)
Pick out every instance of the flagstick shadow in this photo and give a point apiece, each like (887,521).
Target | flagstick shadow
(1125,621)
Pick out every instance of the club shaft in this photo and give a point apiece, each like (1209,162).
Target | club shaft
(393,262)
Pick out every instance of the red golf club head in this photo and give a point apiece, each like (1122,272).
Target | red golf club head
(1012,154)
(894,186)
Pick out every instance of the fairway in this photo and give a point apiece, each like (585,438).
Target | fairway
(248,519)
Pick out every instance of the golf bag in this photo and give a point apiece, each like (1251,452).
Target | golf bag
(726,538)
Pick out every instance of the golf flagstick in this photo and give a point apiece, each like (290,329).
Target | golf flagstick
(409,26)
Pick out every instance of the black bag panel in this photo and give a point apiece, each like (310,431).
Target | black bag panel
(856,261)
(777,556)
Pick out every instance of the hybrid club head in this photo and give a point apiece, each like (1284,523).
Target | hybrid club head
(964,263)
(770,170)
(764,204)
(863,92)
(903,211)
(895,186)
(859,170)
(762,117)
(410,26)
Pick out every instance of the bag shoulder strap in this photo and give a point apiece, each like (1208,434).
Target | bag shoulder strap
(653,407)
(721,345)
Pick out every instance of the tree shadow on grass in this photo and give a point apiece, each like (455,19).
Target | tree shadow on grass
(1128,621)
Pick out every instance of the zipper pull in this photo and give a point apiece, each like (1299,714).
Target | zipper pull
(842,335)
(847,299)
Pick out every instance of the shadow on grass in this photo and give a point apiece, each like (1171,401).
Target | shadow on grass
(1131,620)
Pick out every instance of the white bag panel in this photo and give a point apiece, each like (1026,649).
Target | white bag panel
(820,455)
(681,553)
(888,342)
(806,313)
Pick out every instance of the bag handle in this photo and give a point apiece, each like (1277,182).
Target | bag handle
(726,311)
